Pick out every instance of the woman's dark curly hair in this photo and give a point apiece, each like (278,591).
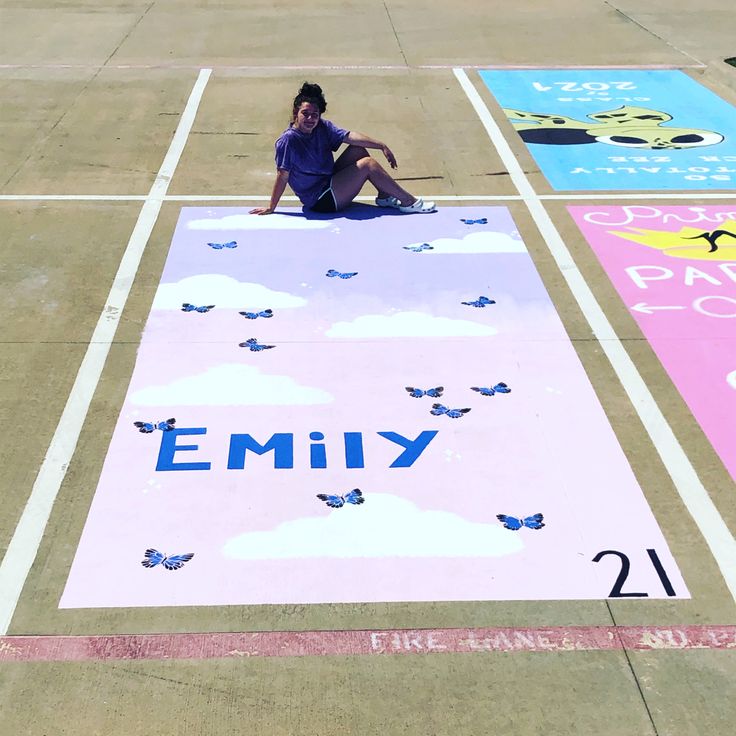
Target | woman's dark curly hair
(309,93)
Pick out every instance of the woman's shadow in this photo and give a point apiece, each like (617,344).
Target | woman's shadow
(355,211)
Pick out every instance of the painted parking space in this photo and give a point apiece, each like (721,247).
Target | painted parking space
(647,130)
(675,268)
(367,409)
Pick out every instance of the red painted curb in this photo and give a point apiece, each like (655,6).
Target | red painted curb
(365,642)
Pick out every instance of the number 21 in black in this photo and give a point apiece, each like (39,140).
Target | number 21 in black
(626,566)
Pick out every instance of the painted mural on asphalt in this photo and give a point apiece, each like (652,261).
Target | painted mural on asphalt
(361,408)
(620,129)
(675,268)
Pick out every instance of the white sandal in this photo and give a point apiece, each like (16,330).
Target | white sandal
(388,202)
(419,206)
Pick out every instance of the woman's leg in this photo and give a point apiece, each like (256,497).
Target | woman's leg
(348,181)
(351,155)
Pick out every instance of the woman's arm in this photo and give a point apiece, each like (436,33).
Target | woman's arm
(282,178)
(360,139)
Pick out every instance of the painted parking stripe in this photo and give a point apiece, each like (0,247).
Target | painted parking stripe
(363,642)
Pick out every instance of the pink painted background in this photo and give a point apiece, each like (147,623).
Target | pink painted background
(424,533)
(698,350)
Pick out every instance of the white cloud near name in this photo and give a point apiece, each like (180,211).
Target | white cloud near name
(258,222)
(383,526)
(231,385)
(223,291)
(408,324)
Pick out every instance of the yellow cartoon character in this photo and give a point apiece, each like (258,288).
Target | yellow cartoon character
(627,126)
(690,242)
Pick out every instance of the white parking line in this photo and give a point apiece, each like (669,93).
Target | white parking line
(27,537)
(692,492)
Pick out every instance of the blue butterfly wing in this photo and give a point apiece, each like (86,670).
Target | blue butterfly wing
(415,393)
(355,497)
(167,425)
(438,409)
(206,308)
(456,413)
(510,522)
(331,273)
(231,244)
(347,275)
(249,315)
(502,388)
(145,427)
(186,307)
(176,562)
(534,522)
(436,392)
(334,502)
(216,246)
(153,557)
(267,313)
(474,304)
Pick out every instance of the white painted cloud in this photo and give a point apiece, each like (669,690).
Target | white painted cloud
(223,291)
(384,526)
(258,222)
(486,241)
(408,324)
(231,385)
(731,378)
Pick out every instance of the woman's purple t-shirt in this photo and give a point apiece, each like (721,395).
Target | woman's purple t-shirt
(308,158)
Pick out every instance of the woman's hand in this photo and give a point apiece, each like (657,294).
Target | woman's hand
(389,156)
(262,211)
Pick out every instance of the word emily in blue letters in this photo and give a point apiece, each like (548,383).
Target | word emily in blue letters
(282,446)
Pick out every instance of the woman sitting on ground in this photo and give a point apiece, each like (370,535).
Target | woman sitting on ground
(304,161)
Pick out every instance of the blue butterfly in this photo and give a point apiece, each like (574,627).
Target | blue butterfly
(480,302)
(254,315)
(332,273)
(499,388)
(186,307)
(481,221)
(531,522)
(148,427)
(254,346)
(220,246)
(337,502)
(440,409)
(418,248)
(417,393)
(175,562)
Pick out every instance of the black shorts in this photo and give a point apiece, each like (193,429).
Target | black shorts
(326,201)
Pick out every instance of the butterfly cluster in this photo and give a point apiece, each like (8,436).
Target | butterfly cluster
(354,497)
(536,521)
(417,393)
(267,313)
(254,346)
(174,562)
(480,221)
(481,302)
(418,248)
(148,427)
(499,388)
(439,409)
(332,273)
(186,307)
(220,246)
